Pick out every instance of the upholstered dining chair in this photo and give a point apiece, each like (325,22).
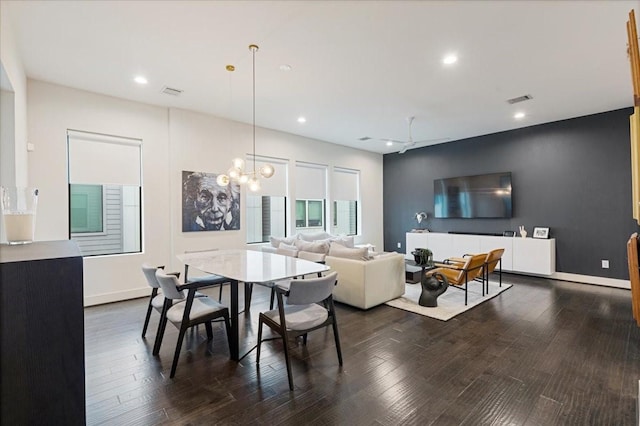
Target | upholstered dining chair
(461,271)
(206,280)
(203,310)
(156,299)
(304,255)
(302,314)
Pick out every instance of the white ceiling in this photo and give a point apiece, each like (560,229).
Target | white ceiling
(359,68)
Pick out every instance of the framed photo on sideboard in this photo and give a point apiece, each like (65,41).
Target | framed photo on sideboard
(539,232)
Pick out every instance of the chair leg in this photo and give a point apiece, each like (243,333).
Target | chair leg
(220,294)
(176,356)
(259,341)
(161,326)
(146,319)
(485,280)
(154,293)
(337,338)
(273,295)
(285,344)
(466,284)
(227,325)
(304,338)
(207,325)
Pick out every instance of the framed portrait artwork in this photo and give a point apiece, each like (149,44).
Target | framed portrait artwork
(207,206)
(540,232)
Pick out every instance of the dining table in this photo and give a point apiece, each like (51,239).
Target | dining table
(248,267)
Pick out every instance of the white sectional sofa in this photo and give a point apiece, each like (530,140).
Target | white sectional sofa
(368,283)
(365,280)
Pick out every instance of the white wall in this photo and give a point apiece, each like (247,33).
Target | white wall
(173,140)
(54,109)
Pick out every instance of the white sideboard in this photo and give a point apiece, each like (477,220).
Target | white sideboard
(527,255)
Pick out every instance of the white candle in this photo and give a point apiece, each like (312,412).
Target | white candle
(19,227)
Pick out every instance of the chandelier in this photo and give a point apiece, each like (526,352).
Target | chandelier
(237,172)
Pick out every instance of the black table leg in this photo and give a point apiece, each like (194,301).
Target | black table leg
(248,291)
(233,339)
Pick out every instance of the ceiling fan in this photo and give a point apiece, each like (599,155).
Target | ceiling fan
(409,143)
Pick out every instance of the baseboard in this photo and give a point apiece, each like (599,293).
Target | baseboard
(116,296)
(588,279)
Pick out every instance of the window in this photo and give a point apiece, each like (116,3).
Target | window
(311,190)
(86,208)
(345,217)
(105,203)
(310,214)
(345,193)
(266,209)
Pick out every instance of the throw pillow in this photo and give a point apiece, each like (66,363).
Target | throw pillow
(338,250)
(383,254)
(313,257)
(315,236)
(345,240)
(287,250)
(313,247)
(275,241)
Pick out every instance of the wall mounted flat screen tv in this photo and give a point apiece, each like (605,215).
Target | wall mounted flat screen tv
(469,197)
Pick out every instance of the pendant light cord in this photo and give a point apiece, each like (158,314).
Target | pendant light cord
(253,50)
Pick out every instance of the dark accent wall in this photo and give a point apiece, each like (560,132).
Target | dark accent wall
(573,176)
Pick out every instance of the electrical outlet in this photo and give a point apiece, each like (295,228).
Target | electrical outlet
(605,264)
(399,244)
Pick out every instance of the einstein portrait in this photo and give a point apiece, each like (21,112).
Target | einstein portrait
(207,206)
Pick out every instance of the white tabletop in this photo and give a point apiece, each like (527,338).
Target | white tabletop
(249,265)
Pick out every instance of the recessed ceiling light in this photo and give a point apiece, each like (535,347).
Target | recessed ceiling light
(140,80)
(285,67)
(302,120)
(518,115)
(389,143)
(450,59)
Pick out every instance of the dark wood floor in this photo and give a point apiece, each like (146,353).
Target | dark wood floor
(542,353)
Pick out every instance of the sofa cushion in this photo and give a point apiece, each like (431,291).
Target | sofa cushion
(275,241)
(314,236)
(313,247)
(338,250)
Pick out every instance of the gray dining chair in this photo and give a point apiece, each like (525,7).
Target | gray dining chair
(304,255)
(156,299)
(201,310)
(302,314)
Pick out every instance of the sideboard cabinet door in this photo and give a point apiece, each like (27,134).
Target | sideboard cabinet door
(42,378)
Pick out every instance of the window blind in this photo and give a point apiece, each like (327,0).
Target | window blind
(103,159)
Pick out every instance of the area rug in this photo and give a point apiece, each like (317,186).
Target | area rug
(450,304)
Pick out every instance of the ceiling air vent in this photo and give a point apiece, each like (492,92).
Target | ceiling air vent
(364,138)
(519,99)
(171,91)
